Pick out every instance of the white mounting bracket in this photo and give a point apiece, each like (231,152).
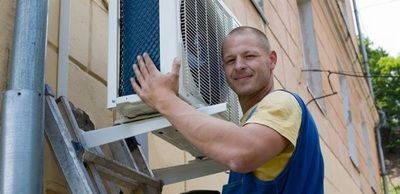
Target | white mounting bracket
(110,134)
(194,169)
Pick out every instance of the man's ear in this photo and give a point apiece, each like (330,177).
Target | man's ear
(273,59)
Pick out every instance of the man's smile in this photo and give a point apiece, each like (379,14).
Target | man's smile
(242,77)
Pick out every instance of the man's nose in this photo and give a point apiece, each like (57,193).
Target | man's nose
(240,63)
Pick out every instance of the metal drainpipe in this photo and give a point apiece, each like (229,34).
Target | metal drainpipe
(363,50)
(21,162)
(381,124)
(382,117)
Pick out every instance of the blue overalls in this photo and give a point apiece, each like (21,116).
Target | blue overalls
(303,174)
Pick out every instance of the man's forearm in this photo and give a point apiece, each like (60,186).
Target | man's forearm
(214,137)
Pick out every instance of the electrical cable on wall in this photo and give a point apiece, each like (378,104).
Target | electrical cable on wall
(350,74)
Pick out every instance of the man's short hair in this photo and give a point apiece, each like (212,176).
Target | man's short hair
(259,34)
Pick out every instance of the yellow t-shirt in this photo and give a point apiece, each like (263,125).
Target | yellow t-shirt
(280,111)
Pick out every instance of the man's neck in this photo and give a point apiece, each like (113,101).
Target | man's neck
(246,102)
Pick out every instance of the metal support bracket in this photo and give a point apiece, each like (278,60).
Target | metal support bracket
(194,169)
(110,134)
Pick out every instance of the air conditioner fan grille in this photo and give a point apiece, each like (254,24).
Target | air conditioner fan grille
(204,24)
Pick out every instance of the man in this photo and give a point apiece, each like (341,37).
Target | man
(276,147)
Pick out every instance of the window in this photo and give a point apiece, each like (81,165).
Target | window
(371,171)
(349,121)
(259,5)
(310,49)
(343,9)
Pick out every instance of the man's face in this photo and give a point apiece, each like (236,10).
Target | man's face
(247,65)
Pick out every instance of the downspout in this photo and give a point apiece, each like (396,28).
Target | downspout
(363,50)
(382,118)
(21,152)
(382,124)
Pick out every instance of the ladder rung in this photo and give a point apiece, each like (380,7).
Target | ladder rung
(108,174)
(124,171)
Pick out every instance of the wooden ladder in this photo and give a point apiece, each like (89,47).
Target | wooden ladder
(89,170)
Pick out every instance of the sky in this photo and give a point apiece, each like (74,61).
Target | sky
(380,22)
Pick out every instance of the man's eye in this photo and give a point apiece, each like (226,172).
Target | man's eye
(250,56)
(229,61)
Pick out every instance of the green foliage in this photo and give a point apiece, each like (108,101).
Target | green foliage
(397,189)
(386,85)
(374,54)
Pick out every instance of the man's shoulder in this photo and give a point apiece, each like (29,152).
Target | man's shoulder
(279,96)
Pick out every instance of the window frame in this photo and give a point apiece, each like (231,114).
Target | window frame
(259,5)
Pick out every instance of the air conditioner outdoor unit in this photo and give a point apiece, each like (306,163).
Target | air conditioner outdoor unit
(190,29)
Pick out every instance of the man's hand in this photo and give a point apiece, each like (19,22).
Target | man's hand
(154,88)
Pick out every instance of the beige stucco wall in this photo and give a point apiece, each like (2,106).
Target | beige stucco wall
(88,71)
(7,15)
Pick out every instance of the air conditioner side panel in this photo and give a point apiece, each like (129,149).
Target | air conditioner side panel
(113,52)
(169,34)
